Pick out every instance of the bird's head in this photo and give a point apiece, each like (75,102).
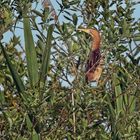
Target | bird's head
(95,36)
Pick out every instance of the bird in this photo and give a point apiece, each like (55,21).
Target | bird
(93,67)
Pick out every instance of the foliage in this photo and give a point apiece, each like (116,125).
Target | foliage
(43,91)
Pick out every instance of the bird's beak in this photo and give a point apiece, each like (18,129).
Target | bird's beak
(84,30)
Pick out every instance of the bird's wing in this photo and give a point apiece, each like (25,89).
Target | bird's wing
(92,65)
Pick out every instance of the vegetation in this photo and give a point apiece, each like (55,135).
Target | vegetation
(43,93)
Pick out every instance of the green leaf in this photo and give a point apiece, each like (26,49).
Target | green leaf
(66,4)
(30,126)
(31,57)
(37,13)
(122,49)
(74,47)
(125,26)
(118,93)
(17,80)
(74,2)
(46,55)
(2,97)
(75,19)
(137,37)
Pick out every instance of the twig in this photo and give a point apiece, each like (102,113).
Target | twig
(73,114)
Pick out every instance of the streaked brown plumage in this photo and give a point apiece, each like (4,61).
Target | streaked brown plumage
(93,65)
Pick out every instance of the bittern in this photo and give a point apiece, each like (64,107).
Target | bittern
(94,62)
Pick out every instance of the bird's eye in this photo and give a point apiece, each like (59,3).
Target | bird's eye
(90,31)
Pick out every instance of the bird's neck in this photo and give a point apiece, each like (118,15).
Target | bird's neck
(96,42)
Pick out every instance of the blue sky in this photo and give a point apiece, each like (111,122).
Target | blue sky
(137,11)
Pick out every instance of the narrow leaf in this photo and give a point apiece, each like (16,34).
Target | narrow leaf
(118,93)
(31,57)
(17,80)
(30,126)
(2,97)
(46,55)
(75,19)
